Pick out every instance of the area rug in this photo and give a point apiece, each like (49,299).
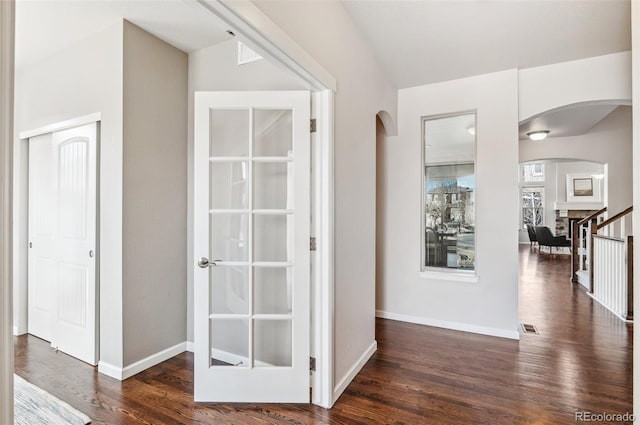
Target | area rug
(34,405)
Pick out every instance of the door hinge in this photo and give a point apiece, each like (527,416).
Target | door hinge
(313,125)
(312,364)
(312,243)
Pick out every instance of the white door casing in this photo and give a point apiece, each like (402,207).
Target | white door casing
(252,220)
(62,240)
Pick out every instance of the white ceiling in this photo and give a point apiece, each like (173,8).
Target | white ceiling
(573,120)
(422,42)
(44,27)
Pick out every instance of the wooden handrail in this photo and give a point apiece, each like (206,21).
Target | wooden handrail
(614,218)
(592,216)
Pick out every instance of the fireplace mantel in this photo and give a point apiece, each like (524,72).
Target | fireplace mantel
(578,206)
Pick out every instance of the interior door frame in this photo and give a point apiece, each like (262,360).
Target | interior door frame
(21,223)
(7,45)
(255,29)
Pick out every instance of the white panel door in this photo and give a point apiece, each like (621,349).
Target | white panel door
(251,242)
(71,252)
(42,292)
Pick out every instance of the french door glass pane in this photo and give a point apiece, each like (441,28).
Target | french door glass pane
(245,289)
(230,342)
(271,234)
(229,237)
(229,290)
(229,132)
(272,343)
(272,290)
(229,185)
(271,185)
(273,132)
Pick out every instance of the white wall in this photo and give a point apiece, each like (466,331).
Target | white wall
(216,68)
(363,90)
(608,142)
(601,78)
(490,305)
(84,78)
(154,195)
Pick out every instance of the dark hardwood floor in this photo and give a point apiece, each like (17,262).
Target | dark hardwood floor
(581,360)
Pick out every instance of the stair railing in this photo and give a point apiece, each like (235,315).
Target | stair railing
(611,269)
(581,246)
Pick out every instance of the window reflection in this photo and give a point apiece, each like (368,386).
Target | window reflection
(449,192)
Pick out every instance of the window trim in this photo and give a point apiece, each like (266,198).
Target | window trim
(443,272)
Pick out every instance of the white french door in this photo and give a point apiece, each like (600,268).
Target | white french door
(62,239)
(251,243)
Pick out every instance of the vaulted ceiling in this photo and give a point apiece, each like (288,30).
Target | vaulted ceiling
(422,42)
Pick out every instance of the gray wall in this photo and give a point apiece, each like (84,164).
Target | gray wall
(154,195)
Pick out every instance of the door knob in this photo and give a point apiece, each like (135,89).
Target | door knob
(204,262)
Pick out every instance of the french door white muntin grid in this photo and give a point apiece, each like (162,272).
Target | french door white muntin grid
(250,214)
(280,383)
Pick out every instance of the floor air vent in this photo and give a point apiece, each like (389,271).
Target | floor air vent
(528,329)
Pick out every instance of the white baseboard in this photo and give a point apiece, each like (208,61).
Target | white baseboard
(128,371)
(354,370)
(619,316)
(465,327)
(190,346)
(110,370)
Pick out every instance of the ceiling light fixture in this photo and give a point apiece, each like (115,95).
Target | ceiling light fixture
(538,135)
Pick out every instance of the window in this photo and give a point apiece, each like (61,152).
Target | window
(449,192)
(532,206)
(532,179)
(532,173)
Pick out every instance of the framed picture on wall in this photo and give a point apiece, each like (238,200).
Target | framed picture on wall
(583,186)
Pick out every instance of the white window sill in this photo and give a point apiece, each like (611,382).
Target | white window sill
(457,276)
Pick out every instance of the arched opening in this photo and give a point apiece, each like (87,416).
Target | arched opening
(583,166)
(385,130)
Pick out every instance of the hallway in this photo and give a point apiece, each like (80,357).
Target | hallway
(580,361)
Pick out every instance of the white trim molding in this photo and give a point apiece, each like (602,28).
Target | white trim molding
(257,30)
(7,46)
(455,326)
(354,370)
(128,371)
(323,279)
(445,274)
(63,125)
